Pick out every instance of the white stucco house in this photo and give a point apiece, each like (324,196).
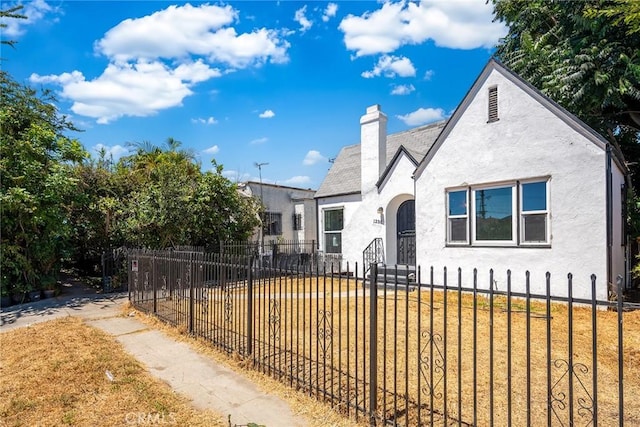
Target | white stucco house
(511,181)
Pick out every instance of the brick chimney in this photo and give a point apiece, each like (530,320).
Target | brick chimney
(373,147)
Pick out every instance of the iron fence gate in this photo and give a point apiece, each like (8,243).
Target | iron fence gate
(442,351)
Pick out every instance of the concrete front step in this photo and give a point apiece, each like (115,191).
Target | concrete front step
(388,276)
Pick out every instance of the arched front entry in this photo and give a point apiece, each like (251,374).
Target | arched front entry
(406,233)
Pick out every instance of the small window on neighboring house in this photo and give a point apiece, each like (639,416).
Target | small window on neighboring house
(333,224)
(493,104)
(297,222)
(272,225)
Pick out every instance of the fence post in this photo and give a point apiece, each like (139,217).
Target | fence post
(274,255)
(191,294)
(373,344)
(250,306)
(153,280)
(129,274)
(620,308)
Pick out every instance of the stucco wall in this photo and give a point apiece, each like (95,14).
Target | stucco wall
(350,205)
(287,201)
(528,141)
(361,219)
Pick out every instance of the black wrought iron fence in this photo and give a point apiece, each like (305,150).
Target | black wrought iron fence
(281,254)
(444,351)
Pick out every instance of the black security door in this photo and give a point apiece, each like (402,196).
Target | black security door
(406,221)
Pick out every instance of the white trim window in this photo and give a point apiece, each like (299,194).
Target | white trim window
(534,212)
(506,214)
(457,217)
(333,225)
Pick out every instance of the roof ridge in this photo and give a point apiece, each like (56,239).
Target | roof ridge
(420,128)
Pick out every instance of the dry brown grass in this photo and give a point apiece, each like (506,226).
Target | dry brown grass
(316,413)
(53,374)
(307,336)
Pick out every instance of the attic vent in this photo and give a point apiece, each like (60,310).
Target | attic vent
(493,104)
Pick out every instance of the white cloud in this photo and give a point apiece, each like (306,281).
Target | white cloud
(402,90)
(297,180)
(140,89)
(259,140)
(301,19)
(390,66)
(211,150)
(313,157)
(115,151)
(155,60)
(330,12)
(180,31)
(460,24)
(428,74)
(208,121)
(35,11)
(422,116)
(267,114)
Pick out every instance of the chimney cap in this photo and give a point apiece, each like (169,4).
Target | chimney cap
(373,108)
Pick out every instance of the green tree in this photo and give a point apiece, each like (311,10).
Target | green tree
(94,207)
(585,55)
(36,182)
(171,202)
(12,12)
(623,12)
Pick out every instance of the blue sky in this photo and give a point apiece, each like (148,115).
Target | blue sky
(283,83)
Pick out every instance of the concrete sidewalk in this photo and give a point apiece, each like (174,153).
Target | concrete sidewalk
(206,384)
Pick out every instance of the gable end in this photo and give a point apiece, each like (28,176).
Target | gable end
(493,65)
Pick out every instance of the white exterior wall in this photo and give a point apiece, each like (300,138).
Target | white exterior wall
(528,141)
(350,205)
(398,187)
(361,218)
(309,220)
(287,201)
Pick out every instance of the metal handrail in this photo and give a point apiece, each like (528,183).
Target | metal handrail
(374,253)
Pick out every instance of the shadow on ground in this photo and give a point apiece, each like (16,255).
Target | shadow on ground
(75,294)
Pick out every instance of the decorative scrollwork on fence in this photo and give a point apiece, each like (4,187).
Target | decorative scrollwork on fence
(431,367)
(205,299)
(559,399)
(325,330)
(187,276)
(228,307)
(274,319)
(163,288)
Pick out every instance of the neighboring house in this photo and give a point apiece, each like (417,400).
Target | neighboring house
(510,181)
(289,212)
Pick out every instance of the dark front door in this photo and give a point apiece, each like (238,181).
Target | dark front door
(406,221)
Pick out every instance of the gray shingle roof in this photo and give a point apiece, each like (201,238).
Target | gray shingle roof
(344,175)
